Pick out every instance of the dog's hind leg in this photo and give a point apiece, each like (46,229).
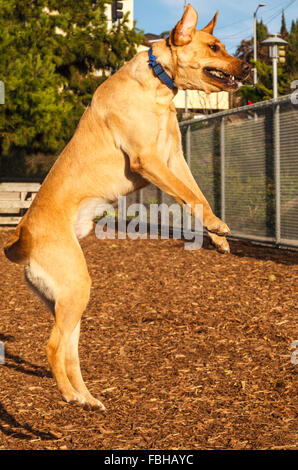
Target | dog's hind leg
(62,349)
(68,312)
(73,369)
(62,274)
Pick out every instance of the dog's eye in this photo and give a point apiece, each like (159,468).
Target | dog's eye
(214,47)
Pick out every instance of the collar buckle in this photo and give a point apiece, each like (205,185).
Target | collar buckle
(159,71)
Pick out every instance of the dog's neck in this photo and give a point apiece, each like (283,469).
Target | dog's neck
(162,52)
(138,69)
(160,72)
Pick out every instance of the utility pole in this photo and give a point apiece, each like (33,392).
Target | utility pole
(255,42)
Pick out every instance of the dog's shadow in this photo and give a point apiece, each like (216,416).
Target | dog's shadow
(12,361)
(10,427)
(26,367)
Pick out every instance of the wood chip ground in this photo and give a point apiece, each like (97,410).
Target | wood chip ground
(187,350)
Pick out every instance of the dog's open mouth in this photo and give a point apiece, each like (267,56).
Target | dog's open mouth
(220,76)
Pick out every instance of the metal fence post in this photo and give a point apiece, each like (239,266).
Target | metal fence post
(140,197)
(160,196)
(222,170)
(276,119)
(188,144)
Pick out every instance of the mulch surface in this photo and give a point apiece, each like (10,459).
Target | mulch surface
(187,350)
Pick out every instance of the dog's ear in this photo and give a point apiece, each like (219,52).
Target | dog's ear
(184,30)
(210,26)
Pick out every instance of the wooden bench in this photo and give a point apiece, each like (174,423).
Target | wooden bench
(15,198)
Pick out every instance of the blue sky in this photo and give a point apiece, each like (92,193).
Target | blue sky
(235,20)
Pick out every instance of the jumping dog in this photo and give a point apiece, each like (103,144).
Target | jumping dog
(127,138)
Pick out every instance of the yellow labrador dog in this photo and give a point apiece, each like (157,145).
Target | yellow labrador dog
(128,136)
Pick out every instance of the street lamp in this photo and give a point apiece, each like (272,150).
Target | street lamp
(255,42)
(274,42)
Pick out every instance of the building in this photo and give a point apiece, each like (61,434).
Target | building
(128,7)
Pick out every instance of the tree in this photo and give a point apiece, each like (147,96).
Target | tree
(286,73)
(283,30)
(49,52)
(291,66)
(245,49)
(263,90)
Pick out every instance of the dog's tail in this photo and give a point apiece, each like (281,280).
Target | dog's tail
(18,248)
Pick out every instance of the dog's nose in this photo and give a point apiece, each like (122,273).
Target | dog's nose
(246,68)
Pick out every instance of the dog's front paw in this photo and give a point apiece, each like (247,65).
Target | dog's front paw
(217,226)
(220,243)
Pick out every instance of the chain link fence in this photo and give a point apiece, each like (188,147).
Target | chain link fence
(245,161)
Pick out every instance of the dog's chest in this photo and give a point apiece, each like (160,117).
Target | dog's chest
(85,215)
(166,138)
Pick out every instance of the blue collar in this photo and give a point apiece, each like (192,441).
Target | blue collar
(159,71)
